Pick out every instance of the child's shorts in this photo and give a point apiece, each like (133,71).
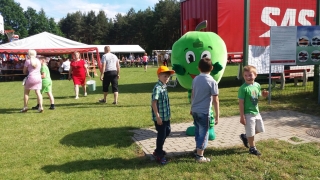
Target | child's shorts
(46,88)
(254,124)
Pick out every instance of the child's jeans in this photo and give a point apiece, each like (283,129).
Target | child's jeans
(163,131)
(201,123)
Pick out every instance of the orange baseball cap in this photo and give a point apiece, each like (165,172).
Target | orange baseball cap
(163,69)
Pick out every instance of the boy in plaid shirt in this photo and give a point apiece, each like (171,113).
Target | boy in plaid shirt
(160,108)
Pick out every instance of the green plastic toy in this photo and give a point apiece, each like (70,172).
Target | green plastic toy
(185,57)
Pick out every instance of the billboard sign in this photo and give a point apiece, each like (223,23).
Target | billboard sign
(295,45)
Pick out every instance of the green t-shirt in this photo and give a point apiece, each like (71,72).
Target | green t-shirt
(250,93)
(47,79)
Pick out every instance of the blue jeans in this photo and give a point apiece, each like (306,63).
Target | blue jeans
(163,131)
(201,123)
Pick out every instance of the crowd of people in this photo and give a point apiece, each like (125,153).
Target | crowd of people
(38,77)
(11,67)
(142,61)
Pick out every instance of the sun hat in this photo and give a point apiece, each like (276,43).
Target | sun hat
(163,69)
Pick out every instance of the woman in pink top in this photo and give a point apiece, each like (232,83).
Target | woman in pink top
(34,82)
(145,61)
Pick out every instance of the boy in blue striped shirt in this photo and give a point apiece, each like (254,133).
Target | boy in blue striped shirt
(160,108)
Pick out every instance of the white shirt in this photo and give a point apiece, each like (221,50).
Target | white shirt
(111,61)
(166,56)
(66,65)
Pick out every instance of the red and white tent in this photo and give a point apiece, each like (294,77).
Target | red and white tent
(47,44)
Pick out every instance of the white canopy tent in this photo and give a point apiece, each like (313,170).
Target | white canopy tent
(47,44)
(121,48)
(43,41)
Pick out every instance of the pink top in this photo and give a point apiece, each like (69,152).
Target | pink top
(34,80)
(145,58)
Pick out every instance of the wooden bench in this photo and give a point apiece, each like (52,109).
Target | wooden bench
(296,74)
(11,75)
(64,75)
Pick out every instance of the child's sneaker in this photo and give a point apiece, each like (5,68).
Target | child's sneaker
(202,159)
(35,107)
(163,161)
(244,139)
(155,154)
(195,152)
(254,150)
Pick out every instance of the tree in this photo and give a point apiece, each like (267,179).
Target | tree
(32,18)
(42,22)
(88,30)
(13,17)
(71,26)
(102,28)
(167,18)
(54,28)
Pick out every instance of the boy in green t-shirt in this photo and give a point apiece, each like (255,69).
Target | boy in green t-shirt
(250,117)
(46,82)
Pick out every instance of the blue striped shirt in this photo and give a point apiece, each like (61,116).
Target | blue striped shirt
(160,94)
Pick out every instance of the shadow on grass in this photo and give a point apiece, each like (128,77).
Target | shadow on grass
(99,137)
(146,88)
(225,152)
(136,88)
(100,164)
(230,81)
(10,111)
(134,163)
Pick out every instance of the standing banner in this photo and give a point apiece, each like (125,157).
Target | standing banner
(308,45)
(295,45)
(283,45)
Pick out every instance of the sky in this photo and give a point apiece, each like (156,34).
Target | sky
(58,9)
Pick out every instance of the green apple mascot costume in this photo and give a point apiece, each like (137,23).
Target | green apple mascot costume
(186,54)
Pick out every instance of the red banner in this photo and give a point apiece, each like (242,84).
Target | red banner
(264,14)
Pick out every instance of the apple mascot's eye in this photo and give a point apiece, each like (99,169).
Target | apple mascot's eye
(190,57)
(206,54)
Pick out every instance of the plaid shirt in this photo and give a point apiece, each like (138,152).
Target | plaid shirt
(160,94)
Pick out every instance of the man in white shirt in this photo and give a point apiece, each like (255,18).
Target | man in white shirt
(65,65)
(110,74)
(166,59)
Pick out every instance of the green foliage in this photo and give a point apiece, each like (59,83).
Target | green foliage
(26,23)
(153,28)
(13,17)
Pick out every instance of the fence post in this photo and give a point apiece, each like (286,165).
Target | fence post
(246,32)
(316,78)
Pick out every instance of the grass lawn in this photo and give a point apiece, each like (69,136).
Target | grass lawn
(83,139)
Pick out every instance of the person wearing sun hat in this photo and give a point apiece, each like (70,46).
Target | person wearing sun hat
(160,109)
